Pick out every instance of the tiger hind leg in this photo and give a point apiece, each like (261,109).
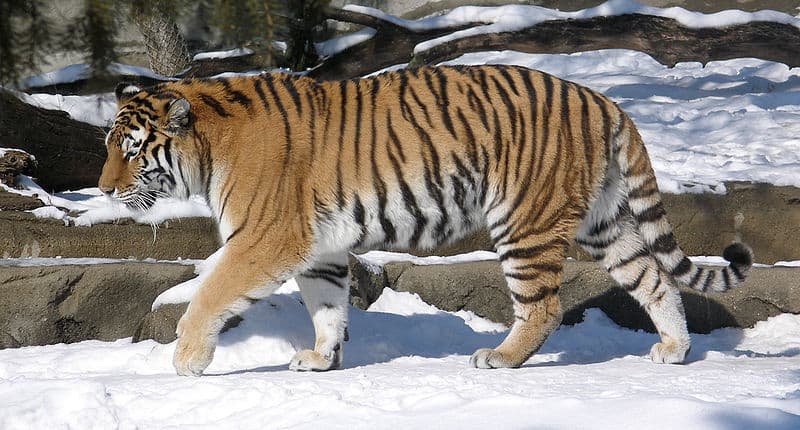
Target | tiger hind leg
(532,268)
(325,291)
(609,234)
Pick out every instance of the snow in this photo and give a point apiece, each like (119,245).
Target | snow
(238,52)
(89,206)
(98,109)
(405,366)
(334,46)
(76,72)
(517,17)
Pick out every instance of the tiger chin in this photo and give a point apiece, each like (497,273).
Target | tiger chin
(298,173)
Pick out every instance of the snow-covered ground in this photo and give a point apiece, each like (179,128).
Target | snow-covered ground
(405,366)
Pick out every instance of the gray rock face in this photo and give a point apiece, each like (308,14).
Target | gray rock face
(161,323)
(479,287)
(46,305)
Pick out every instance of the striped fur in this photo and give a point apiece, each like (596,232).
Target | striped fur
(300,172)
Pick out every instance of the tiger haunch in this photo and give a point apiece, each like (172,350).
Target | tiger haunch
(299,172)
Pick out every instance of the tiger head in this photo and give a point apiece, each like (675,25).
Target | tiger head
(144,148)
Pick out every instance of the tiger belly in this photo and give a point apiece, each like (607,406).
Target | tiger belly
(409,216)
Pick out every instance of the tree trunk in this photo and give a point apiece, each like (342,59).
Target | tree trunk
(165,44)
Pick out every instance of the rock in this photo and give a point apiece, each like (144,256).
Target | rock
(479,287)
(71,303)
(14,162)
(70,154)
(160,324)
(180,238)
(18,202)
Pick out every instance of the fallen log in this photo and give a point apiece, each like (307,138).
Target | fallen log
(664,39)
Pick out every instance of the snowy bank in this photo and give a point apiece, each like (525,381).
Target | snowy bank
(405,365)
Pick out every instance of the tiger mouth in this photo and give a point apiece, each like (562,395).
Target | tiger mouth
(141,200)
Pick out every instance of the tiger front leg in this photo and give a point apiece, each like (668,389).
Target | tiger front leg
(234,284)
(325,291)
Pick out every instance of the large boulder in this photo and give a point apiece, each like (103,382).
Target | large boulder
(69,303)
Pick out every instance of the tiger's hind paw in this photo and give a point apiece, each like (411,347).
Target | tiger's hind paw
(487,358)
(307,360)
(669,352)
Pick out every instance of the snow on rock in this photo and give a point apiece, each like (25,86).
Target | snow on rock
(405,367)
(92,207)
(237,52)
(336,45)
(517,17)
(76,72)
(98,109)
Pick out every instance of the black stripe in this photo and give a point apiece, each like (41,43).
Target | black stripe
(709,279)
(726,278)
(696,277)
(234,96)
(394,138)
(335,281)
(214,104)
(540,267)
(260,91)
(288,83)
(682,268)
(410,203)
(645,189)
(628,260)
(736,272)
(331,269)
(525,299)
(422,105)
(532,251)
(268,79)
(664,244)
(655,287)
(436,193)
(472,150)
(651,214)
(357,136)
(636,282)
(359,216)
(444,103)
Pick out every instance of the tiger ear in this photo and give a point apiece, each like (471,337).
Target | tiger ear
(124,92)
(177,118)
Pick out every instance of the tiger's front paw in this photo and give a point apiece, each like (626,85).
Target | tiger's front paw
(487,358)
(193,351)
(669,352)
(312,360)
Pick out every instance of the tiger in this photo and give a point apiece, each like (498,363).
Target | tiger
(300,172)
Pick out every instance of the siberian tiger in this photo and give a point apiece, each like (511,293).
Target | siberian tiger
(299,172)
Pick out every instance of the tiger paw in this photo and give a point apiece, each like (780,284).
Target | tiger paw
(669,352)
(193,351)
(487,358)
(307,360)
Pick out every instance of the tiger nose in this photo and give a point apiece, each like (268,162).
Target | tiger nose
(106,190)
